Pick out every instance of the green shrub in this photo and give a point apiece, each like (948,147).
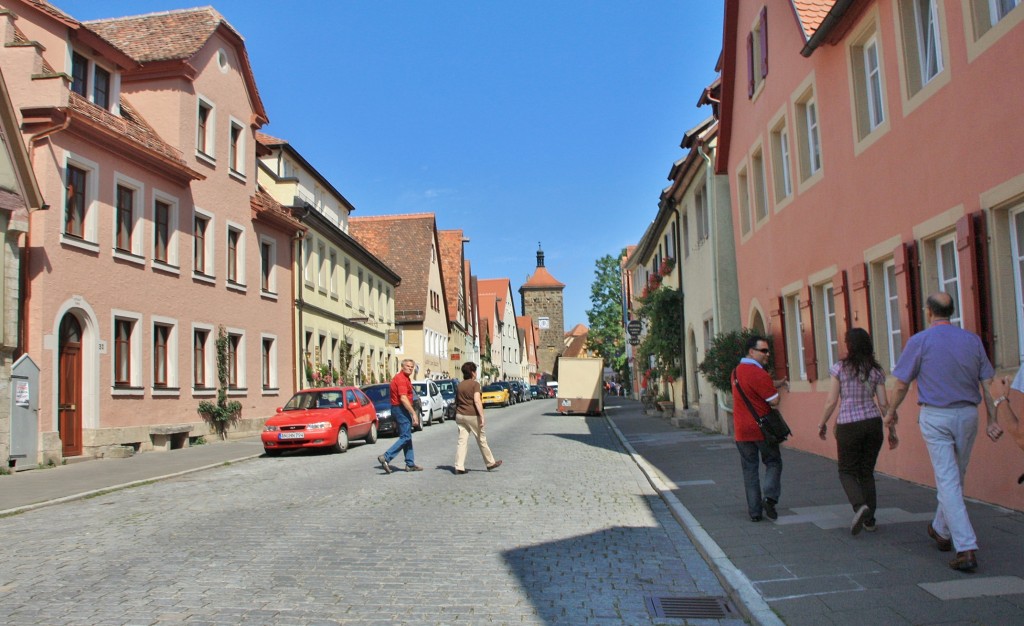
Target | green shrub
(724,355)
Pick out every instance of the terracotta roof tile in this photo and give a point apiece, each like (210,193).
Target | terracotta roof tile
(542,279)
(129,125)
(269,140)
(51,10)
(499,288)
(402,242)
(181,33)
(450,243)
(811,14)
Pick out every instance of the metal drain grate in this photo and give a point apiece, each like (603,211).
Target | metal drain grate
(696,607)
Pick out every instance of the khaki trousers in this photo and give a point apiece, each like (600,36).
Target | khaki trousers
(471,424)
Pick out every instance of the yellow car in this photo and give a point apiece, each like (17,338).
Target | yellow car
(495,394)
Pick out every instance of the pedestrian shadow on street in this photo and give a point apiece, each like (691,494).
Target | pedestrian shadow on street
(608,575)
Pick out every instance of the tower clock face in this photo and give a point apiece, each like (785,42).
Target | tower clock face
(544,323)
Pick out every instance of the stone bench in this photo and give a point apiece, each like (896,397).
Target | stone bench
(170,437)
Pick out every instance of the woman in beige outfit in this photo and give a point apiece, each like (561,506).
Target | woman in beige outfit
(469,415)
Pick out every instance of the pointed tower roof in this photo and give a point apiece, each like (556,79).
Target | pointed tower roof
(541,278)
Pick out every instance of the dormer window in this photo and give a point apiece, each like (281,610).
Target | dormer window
(91,81)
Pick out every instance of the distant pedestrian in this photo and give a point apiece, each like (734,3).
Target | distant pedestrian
(949,365)
(858,387)
(752,380)
(405,417)
(469,415)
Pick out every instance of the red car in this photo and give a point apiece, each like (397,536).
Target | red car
(324,417)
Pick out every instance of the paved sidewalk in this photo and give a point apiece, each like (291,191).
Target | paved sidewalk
(29,489)
(805,567)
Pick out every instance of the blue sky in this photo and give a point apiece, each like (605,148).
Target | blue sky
(535,121)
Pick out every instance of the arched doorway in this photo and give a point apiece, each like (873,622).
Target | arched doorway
(69,386)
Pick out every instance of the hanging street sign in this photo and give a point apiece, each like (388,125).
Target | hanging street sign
(633,327)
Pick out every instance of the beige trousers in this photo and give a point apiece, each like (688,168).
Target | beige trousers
(471,424)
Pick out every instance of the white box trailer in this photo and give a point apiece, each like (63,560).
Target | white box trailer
(579,386)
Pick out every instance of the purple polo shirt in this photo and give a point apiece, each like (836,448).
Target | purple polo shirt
(948,363)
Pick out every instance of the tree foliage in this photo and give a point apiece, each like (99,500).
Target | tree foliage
(606,336)
(662,308)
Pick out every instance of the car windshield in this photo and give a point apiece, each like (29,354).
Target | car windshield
(494,387)
(421,388)
(447,387)
(379,394)
(315,400)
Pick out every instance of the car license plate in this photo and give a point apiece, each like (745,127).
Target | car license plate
(292,436)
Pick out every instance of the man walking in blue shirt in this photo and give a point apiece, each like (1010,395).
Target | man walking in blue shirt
(952,372)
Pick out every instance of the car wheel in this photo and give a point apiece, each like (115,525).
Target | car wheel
(341,445)
(372,437)
(440,420)
(271,452)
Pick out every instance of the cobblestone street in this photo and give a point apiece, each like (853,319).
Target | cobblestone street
(568,531)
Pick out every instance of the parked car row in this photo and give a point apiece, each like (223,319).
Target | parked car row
(541,391)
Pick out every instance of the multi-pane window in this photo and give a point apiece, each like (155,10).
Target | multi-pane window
(204,128)
(795,342)
(161,335)
(332,272)
(743,192)
(873,83)
(234,342)
(348,281)
(74,208)
(123,352)
(235,147)
(362,297)
(234,239)
(703,211)
(866,77)
(782,176)
(947,267)
(199,337)
(161,230)
(321,266)
(201,225)
(79,74)
(760,195)
(757,54)
(101,87)
(998,9)
(929,50)
(809,135)
(266,264)
(267,365)
(124,218)
(1017,251)
(893,332)
(686,235)
(828,314)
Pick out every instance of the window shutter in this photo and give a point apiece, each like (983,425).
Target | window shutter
(860,297)
(841,301)
(810,355)
(908,288)
(764,41)
(778,339)
(971,245)
(750,65)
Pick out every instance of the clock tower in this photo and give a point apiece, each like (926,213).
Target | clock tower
(541,297)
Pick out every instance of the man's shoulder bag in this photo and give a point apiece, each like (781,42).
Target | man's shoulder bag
(772,425)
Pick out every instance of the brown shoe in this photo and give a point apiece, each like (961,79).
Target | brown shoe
(458,471)
(945,545)
(413,468)
(494,465)
(964,562)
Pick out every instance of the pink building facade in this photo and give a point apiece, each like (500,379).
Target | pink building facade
(874,156)
(145,153)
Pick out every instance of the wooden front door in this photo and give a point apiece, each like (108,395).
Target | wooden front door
(69,394)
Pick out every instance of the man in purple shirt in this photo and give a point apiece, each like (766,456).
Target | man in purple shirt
(952,372)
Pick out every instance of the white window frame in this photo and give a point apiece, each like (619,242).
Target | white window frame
(135,357)
(209,272)
(172,356)
(928,31)
(307,260)
(239,283)
(781,168)
(947,276)
(138,233)
(893,330)
(795,325)
(271,290)
(209,365)
(242,388)
(172,264)
(237,161)
(1017,253)
(210,154)
(273,389)
(759,184)
(827,298)
(321,266)
(90,237)
(332,275)
(874,92)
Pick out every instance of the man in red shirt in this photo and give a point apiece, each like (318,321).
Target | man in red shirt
(761,391)
(405,417)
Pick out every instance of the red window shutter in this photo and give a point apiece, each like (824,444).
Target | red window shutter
(841,301)
(750,65)
(764,41)
(778,339)
(860,297)
(908,288)
(971,246)
(810,355)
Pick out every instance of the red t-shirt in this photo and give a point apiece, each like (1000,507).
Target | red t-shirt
(759,388)
(401,385)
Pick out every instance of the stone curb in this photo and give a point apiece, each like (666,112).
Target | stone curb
(735,582)
(134,483)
